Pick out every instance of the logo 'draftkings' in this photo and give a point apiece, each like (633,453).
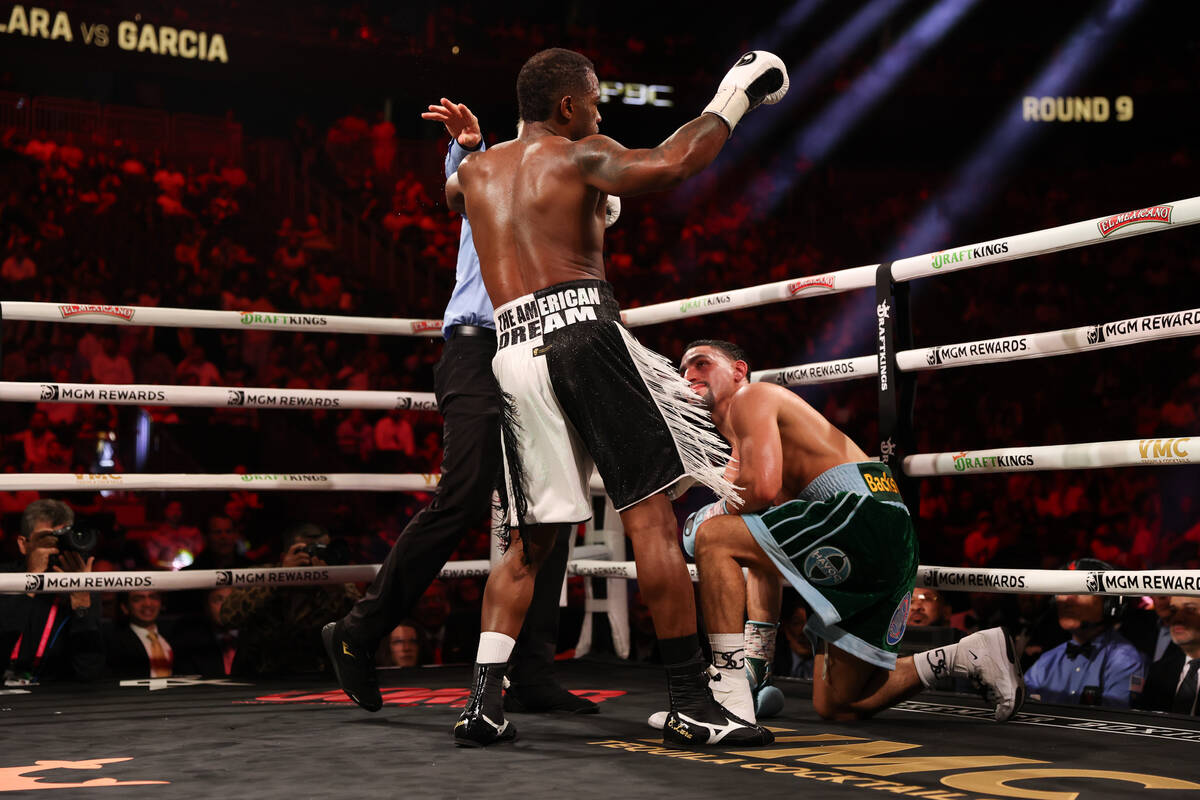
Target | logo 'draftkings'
(1157,214)
(965,254)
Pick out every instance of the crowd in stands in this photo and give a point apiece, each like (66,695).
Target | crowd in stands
(97,223)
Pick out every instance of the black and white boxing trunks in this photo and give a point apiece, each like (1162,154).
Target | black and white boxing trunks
(579,390)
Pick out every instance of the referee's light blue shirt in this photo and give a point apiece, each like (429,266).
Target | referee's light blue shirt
(1116,669)
(469,303)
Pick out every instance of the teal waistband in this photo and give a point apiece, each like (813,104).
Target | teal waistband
(849,478)
(842,478)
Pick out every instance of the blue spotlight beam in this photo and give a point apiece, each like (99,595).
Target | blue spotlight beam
(978,179)
(821,136)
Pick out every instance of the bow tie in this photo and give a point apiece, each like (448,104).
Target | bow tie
(1086,650)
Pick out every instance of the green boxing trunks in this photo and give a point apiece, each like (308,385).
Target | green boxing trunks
(848,546)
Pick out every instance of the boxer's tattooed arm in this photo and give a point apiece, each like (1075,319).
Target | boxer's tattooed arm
(612,168)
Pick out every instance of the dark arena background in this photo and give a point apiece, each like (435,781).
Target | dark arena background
(1022,167)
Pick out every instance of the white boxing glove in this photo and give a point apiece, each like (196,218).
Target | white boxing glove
(612,210)
(757,78)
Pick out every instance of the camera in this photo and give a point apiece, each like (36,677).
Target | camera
(335,554)
(69,539)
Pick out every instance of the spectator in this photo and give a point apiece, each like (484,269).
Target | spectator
(452,639)
(795,660)
(197,370)
(136,646)
(46,637)
(222,546)
(35,442)
(403,647)
(203,644)
(174,544)
(1172,682)
(1097,665)
(394,439)
(110,365)
(18,267)
(355,438)
(279,629)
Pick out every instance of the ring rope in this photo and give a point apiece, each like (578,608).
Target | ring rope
(161,580)
(226,320)
(1134,330)
(1089,455)
(590,564)
(1011,248)
(230,482)
(212,396)
(1023,245)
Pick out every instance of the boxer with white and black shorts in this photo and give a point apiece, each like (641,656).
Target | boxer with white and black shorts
(581,390)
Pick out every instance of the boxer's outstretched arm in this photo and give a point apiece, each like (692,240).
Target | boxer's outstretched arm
(757,78)
(611,168)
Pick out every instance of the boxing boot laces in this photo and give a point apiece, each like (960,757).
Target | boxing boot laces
(482,722)
(696,718)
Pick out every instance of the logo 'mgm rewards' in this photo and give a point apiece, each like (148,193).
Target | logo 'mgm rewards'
(75,310)
(816,283)
(1159,214)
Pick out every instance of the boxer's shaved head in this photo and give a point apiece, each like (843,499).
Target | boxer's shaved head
(549,76)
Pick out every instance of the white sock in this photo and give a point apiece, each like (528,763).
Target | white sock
(932,665)
(733,690)
(494,648)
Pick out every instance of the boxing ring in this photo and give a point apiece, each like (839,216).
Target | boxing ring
(277,735)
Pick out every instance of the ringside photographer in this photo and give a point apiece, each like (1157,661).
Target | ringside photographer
(48,637)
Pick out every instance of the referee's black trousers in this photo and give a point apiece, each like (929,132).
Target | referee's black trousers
(469,399)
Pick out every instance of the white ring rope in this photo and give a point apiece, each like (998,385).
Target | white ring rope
(1134,330)
(1023,245)
(1089,455)
(230,482)
(225,320)
(212,396)
(590,564)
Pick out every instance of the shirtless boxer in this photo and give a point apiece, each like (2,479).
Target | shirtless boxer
(814,510)
(578,388)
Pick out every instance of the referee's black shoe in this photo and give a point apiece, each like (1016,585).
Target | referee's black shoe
(354,666)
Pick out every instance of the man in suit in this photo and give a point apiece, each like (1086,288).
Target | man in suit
(1172,682)
(136,646)
(204,646)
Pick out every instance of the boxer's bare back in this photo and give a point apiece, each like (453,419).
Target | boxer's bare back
(536,203)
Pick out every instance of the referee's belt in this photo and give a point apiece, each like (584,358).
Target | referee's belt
(471,330)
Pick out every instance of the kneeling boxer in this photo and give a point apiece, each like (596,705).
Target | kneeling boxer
(816,511)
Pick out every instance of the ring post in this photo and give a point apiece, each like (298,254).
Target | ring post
(896,389)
